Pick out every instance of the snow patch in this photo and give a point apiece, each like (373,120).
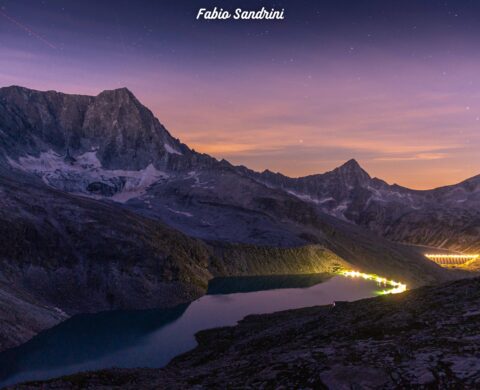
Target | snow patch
(308,198)
(76,177)
(341,207)
(339,211)
(180,212)
(171,150)
(199,184)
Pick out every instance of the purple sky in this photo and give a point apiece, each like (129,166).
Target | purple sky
(396,88)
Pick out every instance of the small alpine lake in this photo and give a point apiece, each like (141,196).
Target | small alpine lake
(151,338)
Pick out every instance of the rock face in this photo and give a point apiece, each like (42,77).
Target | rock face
(446,217)
(123,133)
(81,255)
(22,316)
(83,143)
(61,255)
(424,338)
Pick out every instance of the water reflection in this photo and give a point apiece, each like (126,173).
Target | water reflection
(150,338)
(244,284)
(84,338)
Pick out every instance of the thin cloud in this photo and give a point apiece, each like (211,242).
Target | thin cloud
(420,156)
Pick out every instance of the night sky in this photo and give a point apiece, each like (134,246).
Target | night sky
(394,84)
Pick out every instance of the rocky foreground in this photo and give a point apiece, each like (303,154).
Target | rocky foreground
(424,338)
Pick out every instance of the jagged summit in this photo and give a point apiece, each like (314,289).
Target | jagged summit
(10,88)
(118,90)
(351,165)
(15,88)
(12,91)
(123,133)
(351,173)
(118,93)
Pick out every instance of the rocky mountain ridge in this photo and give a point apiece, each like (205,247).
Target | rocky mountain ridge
(95,145)
(446,217)
(112,147)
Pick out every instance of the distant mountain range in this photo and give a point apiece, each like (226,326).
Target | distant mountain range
(446,217)
(102,208)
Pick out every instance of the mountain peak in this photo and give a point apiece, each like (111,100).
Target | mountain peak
(124,133)
(352,172)
(351,167)
(351,164)
(121,90)
(117,94)
(13,88)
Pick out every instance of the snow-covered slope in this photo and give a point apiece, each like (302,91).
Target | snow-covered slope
(84,175)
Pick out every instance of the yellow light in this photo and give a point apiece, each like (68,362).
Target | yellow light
(397,286)
(447,260)
(439,256)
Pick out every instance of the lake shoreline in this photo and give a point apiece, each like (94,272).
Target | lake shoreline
(119,338)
